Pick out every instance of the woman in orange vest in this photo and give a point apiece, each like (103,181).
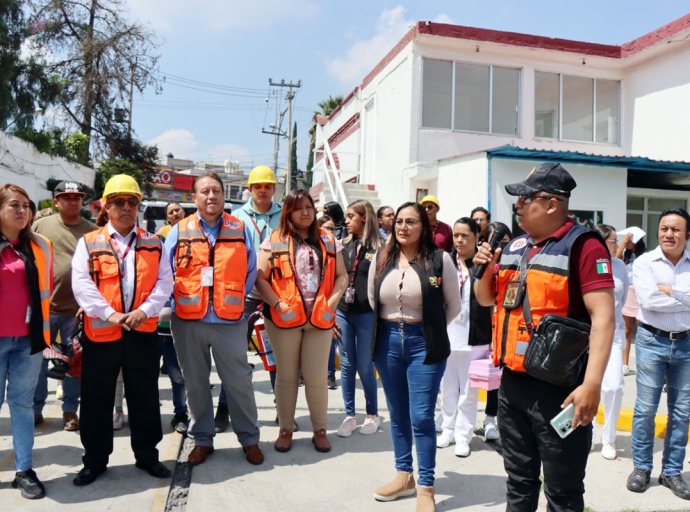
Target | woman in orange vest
(26,282)
(301,277)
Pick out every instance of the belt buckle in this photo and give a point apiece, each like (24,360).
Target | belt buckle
(674,336)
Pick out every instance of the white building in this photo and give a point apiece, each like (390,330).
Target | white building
(459,112)
(22,164)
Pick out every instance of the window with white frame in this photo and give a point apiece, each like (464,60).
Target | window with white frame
(470,97)
(576,108)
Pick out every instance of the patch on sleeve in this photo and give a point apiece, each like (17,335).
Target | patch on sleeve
(603,266)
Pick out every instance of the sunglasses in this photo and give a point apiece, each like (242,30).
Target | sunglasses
(133,202)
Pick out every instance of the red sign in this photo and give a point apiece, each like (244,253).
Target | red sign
(163,179)
(182,181)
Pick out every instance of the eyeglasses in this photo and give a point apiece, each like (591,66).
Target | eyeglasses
(410,223)
(529,199)
(428,207)
(133,202)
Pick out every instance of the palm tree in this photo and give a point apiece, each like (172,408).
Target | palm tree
(327,106)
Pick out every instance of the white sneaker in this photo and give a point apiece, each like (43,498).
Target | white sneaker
(462,449)
(445,439)
(58,391)
(490,432)
(627,370)
(439,423)
(608,451)
(348,426)
(371,425)
(118,420)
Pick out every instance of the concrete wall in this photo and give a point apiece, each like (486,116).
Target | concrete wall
(462,185)
(21,164)
(657,103)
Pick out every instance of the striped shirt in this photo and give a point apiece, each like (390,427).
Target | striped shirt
(656,308)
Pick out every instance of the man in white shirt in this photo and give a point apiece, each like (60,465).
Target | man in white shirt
(121,281)
(662,283)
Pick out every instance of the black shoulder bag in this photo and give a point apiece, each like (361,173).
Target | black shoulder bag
(558,349)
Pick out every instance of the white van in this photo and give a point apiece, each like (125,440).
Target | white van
(155,210)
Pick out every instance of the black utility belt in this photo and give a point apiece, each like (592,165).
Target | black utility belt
(671,335)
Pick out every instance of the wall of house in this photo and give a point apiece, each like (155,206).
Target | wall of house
(598,189)
(462,185)
(21,164)
(657,102)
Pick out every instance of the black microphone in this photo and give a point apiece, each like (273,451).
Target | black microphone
(495,240)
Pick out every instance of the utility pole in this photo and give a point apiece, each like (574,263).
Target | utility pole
(290,96)
(131,100)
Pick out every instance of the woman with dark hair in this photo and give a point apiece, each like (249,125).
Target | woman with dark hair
(628,251)
(413,290)
(301,277)
(470,335)
(612,383)
(385,216)
(26,282)
(335,212)
(355,318)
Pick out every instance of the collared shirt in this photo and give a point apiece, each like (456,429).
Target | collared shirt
(656,308)
(212,234)
(89,297)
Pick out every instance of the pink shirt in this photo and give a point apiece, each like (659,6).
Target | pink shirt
(14,294)
(307,268)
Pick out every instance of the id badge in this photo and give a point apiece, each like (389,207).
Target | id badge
(514,294)
(312,283)
(207,276)
(350,295)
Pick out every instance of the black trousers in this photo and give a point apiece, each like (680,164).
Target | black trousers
(525,407)
(138,355)
(491,408)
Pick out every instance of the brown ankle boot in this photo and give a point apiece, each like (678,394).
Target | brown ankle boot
(284,441)
(320,440)
(425,499)
(403,485)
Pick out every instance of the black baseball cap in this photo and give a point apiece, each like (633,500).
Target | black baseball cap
(548,177)
(68,187)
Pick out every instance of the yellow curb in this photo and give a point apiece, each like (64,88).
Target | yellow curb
(624,420)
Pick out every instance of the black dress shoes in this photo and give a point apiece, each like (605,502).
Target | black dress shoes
(157,469)
(676,484)
(88,476)
(638,480)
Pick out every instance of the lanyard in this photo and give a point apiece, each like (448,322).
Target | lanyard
(122,257)
(355,264)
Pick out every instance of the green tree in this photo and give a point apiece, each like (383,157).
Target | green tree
(99,57)
(113,166)
(24,85)
(327,106)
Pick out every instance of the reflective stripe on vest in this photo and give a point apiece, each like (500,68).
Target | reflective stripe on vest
(105,271)
(285,286)
(228,257)
(43,255)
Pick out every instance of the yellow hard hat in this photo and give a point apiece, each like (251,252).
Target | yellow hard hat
(430,199)
(261,174)
(121,184)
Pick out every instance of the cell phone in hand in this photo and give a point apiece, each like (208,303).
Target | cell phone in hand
(563,421)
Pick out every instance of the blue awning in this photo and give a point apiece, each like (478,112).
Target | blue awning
(632,163)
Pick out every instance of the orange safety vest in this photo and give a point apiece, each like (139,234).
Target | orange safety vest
(547,289)
(104,268)
(284,284)
(43,255)
(228,258)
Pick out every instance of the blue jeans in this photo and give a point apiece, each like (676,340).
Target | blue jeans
(67,325)
(661,361)
(18,375)
(411,388)
(354,346)
(179,397)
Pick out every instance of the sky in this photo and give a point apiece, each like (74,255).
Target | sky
(216,57)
